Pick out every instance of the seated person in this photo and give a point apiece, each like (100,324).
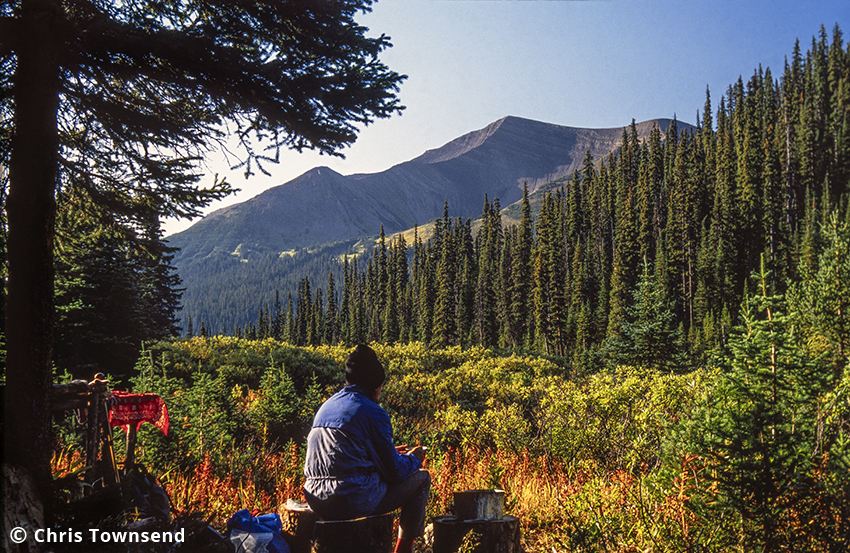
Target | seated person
(352,467)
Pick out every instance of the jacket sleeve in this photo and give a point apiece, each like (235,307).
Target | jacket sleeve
(391,465)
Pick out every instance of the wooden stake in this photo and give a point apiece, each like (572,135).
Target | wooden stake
(130,451)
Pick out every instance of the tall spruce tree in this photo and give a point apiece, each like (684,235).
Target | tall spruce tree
(465,289)
(395,285)
(331,334)
(489,244)
(549,293)
(289,328)
(427,292)
(445,331)
(519,288)
(626,231)
(648,190)
(119,99)
(277,317)
(345,303)
(304,308)
(316,324)
(417,272)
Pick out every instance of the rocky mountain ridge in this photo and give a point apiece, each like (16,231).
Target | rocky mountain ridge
(321,206)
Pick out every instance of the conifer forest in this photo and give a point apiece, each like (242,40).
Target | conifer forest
(643,256)
(649,355)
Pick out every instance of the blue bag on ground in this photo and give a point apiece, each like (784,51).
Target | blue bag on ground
(260,534)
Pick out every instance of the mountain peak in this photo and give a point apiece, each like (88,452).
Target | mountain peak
(322,169)
(462,144)
(316,174)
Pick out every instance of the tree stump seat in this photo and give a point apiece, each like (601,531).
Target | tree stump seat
(306,533)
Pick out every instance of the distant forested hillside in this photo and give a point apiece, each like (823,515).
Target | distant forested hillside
(228,293)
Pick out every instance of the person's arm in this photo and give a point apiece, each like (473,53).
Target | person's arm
(392,465)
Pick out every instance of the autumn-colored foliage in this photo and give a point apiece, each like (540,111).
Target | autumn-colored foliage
(589,462)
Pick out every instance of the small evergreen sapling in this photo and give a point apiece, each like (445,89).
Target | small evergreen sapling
(761,433)
(648,336)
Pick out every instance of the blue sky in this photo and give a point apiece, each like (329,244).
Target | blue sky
(576,63)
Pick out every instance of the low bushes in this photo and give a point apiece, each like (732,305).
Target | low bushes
(599,462)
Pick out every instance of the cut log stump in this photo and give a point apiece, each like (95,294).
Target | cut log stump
(298,522)
(491,536)
(373,534)
(479,504)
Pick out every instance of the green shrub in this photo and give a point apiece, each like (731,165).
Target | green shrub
(616,419)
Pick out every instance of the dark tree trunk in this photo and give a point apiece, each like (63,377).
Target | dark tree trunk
(30,209)
(373,534)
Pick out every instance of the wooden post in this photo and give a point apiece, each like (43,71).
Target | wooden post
(130,451)
(373,534)
(107,450)
(97,389)
(492,536)
(92,435)
(298,521)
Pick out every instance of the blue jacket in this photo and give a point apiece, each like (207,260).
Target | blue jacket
(351,456)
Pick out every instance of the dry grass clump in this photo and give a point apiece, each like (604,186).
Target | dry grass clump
(263,488)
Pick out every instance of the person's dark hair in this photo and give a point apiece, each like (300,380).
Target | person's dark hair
(362,368)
